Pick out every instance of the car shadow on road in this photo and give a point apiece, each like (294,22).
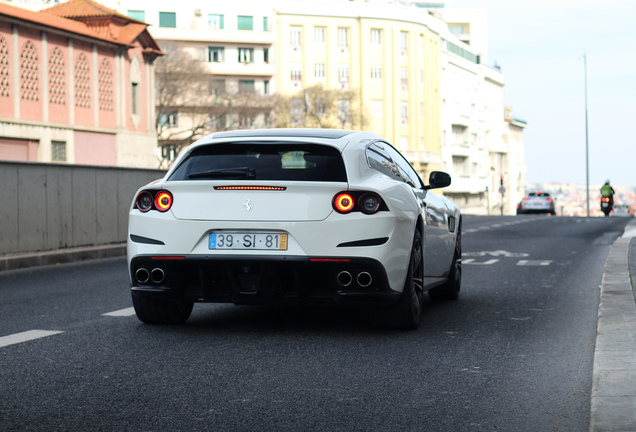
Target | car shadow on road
(295,318)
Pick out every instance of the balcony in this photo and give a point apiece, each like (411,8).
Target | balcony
(242,69)
(234,37)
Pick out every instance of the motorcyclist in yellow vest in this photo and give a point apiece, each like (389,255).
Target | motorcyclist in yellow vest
(607,191)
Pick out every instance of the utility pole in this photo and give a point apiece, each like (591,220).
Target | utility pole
(502,191)
(587,158)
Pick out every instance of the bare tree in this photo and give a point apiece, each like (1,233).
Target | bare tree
(318,107)
(182,94)
(191,105)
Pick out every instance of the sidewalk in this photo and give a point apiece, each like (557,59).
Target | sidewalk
(17,261)
(613,404)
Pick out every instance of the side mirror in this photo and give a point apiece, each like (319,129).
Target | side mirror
(438,179)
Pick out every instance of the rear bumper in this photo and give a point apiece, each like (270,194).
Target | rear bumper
(262,279)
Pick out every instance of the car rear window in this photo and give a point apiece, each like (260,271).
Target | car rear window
(257,161)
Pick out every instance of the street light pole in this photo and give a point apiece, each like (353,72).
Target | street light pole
(587,157)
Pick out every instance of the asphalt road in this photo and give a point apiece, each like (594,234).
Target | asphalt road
(515,353)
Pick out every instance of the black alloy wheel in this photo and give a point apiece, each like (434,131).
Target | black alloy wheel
(450,290)
(406,314)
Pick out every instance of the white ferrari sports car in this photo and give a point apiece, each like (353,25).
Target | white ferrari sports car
(312,215)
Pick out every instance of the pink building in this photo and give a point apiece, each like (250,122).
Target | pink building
(76,86)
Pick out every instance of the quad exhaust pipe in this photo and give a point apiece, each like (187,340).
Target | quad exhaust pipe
(157,275)
(363,279)
(344,278)
(142,275)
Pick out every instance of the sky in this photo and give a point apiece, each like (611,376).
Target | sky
(539,44)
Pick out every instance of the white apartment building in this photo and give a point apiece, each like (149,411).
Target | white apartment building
(482,144)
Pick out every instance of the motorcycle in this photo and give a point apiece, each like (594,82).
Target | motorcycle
(606,205)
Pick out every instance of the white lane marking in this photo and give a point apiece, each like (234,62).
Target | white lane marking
(121,313)
(26,336)
(496,253)
(534,262)
(471,261)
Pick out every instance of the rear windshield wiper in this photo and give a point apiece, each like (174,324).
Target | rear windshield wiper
(233,173)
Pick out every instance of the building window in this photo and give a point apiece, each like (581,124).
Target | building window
(216,87)
(376,37)
(404,113)
(216,122)
(57,77)
(376,72)
(320,107)
(266,55)
(343,39)
(296,74)
(377,108)
(404,80)
(265,24)
(246,86)
(105,90)
(319,71)
(29,73)
(246,55)
(5,86)
(295,37)
(266,89)
(459,135)
(215,22)
(296,112)
(216,54)
(138,15)
(460,165)
(134,98)
(245,22)
(134,77)
(404,43)
(456,29)
(170,119)
(319,35)
(168,19)
(343,76)
(58,151)
(82,82)
(344,111)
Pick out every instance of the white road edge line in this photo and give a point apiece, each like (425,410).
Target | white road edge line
(121,313)
(26,336)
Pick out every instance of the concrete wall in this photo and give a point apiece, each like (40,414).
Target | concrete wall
(45,207)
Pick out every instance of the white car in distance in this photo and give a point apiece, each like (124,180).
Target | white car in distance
(314,215)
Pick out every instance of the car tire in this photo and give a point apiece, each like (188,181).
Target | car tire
(406,314)
(450,290)
(156,311)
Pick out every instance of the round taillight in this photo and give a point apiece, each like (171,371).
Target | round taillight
(369,203)
(343,203)
(144,201)
(163,201)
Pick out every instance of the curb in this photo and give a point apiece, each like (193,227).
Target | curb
(59,256)
(613,399)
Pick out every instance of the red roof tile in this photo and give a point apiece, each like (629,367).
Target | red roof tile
(53,21)
(89,18)
(83,8)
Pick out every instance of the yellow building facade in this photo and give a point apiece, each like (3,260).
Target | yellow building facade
(391,63)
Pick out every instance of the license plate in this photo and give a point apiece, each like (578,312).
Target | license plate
(248,241)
